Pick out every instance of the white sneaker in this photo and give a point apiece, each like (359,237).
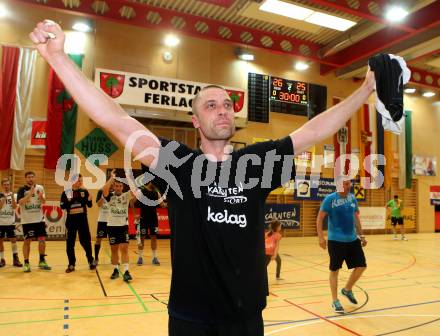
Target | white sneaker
(395,238)
(404,238)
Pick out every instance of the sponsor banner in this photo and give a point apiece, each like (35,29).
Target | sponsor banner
(55,219)
(162,219)
(373,217)
(133,89)
(424,165)
(434,195)
(409,218)
(287,214)
(38,134)
(164,224)
(317,190)
(96,142)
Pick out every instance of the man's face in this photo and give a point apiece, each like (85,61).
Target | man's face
(6,185)
(347,186)
(118,188)
(215,115)
(30,180)
(78,183)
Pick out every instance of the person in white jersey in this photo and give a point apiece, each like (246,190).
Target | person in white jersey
(101,231)
(7,222)
(31,198)
(117,226)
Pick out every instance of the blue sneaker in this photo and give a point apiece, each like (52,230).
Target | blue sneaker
(140,261)
(155,261)
(349,295)
(337,307)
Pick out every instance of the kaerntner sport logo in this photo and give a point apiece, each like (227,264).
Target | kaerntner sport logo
(112,84)
(229,195)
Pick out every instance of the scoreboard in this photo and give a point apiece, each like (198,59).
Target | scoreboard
(274,94)
(289,91)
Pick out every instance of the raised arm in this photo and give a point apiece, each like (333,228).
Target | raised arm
(108,184)
(329,122)
(98,106)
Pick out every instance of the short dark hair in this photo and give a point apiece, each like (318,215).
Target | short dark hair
(5,179)
(29,173)
(396,196)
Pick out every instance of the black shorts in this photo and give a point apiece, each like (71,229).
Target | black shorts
(118,234)
(247,327)
(101,231)
(396,220)
(352,253)
(34,230)
(148,226)
(7,231)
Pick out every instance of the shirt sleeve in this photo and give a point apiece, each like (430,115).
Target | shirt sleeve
(180,152)
(99,195)
(356,204)
(277,164)
(64,202)
(325,205)
(20,194)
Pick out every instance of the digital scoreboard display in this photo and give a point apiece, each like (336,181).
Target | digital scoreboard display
(289,91)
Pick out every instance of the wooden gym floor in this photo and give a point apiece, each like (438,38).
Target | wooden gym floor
(399,294)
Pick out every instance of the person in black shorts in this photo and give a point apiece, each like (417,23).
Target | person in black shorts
(117,224)
(219,279)
(31,198)
(148,223)
(396,208)
(7,222)
(101,230)
(345,240)
(75,202)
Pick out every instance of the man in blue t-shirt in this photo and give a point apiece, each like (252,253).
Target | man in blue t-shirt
(344,228)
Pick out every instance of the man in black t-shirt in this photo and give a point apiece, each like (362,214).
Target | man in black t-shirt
(148,223)
(219,279)
(76,202)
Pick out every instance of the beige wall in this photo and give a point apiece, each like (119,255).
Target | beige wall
(133,49)
(426,130)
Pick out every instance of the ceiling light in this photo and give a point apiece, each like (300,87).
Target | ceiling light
(286,9)
(305,14)
(395,14)
(301,66)
(81,27)
(246,57)
(428,94)
(409,90)
(330,21)
(171,40)
(3,11)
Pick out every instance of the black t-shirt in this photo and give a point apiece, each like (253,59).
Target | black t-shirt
(148,213)
(78,204)
(217,240)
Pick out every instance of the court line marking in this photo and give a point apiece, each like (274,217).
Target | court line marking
(359,313)
(353,317)
(325,319)
(132,289)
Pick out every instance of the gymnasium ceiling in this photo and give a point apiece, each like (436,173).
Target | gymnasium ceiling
(239,22)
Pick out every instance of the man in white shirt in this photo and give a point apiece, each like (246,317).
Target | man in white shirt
(31,198)
(117,226)
(7,222)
